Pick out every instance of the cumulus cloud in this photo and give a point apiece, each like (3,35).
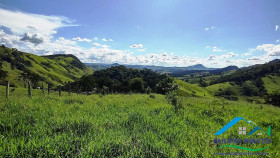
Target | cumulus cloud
(216,49)
(105,40)
(20,22)
(35,34)
(276,27)
(81,39)
(100,45)
(246,54)
(96,44)
(32,38)
(254,59)
(212,57)
(136,46)
(277,41)
(270,49)
(230,54)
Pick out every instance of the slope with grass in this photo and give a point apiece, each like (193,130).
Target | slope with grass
(187,89)
(123,125)
(271,83)
(55,69)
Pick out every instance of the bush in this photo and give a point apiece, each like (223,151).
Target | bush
(224,92)
(136,85)
(249,89)
(165,86)
(174,100)
(273,98)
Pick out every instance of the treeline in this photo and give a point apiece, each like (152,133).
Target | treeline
(122,80)
(251,73)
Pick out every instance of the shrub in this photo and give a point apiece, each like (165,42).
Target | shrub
(174,100)
(273,98)
(136,85)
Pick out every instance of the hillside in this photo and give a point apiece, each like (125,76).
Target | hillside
(19,66)
(251,73)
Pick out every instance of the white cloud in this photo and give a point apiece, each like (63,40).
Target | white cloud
(229,55)
(208,28)
(270,49)
(96,44)
(276,27)
(212,57)
(20,22)
(105,40)
(216,49)
(100,45)
(136,46)
(81,39)
(246,54)
(35,34)
(277,41)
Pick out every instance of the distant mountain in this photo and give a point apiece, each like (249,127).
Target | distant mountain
(18,67)
(159,69)
(198,67)
(228,68)
(173,71)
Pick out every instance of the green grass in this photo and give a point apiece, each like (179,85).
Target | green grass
(271,83)
(187,89)
(234,88)
(122,125)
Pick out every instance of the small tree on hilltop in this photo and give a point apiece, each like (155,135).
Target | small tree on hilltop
(136,85)
(174,100)
(166,85)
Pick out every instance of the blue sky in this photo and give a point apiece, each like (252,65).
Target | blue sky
(215,33)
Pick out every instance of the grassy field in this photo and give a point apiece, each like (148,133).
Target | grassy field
(118,125)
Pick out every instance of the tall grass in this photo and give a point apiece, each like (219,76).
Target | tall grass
(121,125)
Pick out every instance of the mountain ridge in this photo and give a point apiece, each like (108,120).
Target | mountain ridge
(19,67)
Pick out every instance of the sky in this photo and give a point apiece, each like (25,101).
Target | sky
(214,33)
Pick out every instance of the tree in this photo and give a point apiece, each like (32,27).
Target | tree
(166,85)
(249,89)
(136,85)
(273,98)
(202,82)
(174,100)
(3,74)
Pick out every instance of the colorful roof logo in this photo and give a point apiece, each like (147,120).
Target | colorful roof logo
(237,119)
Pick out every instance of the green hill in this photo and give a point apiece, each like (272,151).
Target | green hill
(251,73)
(187,89)
(18,67)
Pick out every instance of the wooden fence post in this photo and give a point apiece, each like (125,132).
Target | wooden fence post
(59,90)
(48,88)
(69,90)
(43,90)
(7,89)
(29,90)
